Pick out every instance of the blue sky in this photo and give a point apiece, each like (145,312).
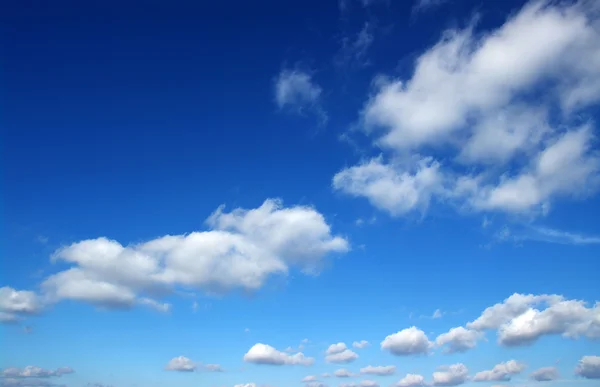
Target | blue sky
(302,193)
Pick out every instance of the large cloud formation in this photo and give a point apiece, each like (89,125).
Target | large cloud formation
(521,319)
(241,249)
(513,98)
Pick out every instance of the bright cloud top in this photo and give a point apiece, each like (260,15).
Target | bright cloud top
(265,354)
(478,98)
(242,249)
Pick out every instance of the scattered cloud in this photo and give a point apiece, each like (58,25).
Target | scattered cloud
(242,249)
(473,98)
(458,339)
(427,5)
(589,367)
(35,372)
(345,356)
(353,50)
(265,354)
(409,341)
(360,344)
(545,374)
(501,372)
(295,90)
(16,304)
(452,375)
(181,364)
(343,373)
(309,378)
(411,380)
(378,370)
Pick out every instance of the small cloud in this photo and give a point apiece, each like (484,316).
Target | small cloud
(437,314)
(42,239)
(296,91)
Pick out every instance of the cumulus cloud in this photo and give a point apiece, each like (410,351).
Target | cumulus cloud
(182,364)
(589,367)
(265,354)
(411,380)
(345,356)
(409,341)
(500,372)
(378,370)
(362,383)
(343,373)
(309,378)
(297,91)
(35,372)
(336,348)
(360,344)
(452,375)
(459,339)
(545,374)
(473,98)
(521,319)
(15,304)
(242,249)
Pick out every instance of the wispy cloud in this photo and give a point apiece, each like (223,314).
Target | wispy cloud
(297,91)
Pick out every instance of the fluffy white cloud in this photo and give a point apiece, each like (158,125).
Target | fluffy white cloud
(35,372)
(362,383)
(378,370)
(545,374)
(500,372)
(246,385)
(459,339)
(452,375)
(343,373)
(523,318)
(265,354)
(14,304)
(397,189)
(409,341)
(360,344)
(345,356)
(309,378)
(411,380)
(336,348)
(182,364)
(242,249)
(315,384)
(589,367)
(297,91)
(473,98)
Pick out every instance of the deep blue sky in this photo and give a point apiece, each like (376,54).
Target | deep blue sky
(134,120)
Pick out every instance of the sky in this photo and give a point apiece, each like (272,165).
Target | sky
(351,193)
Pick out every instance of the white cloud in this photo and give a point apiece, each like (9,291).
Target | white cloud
(212,367)
(182,364)
(589,367)
(409,341)
(452,375)
(14,304)
(459,339)
(545,234)
(242,249)
(265,354)
(315,384)
(378,370)
(362,383)
(309,378)
(297,91)
(34,372)
(360,344)
(545,374)
(343,373)
(345,356)
(474,97)
(437,314)
(411,380)
(245,385)
(336,348)
(500,372)
(353,51)
(395,189)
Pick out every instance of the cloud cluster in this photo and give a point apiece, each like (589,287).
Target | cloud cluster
(265,354)
(514,98)
(242,249)
(339,353)
(35,372)
(15,304)
(411,380)
(500,372)
(521,319)
(545,374)
(378,370)
(409,341)
(451,375)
